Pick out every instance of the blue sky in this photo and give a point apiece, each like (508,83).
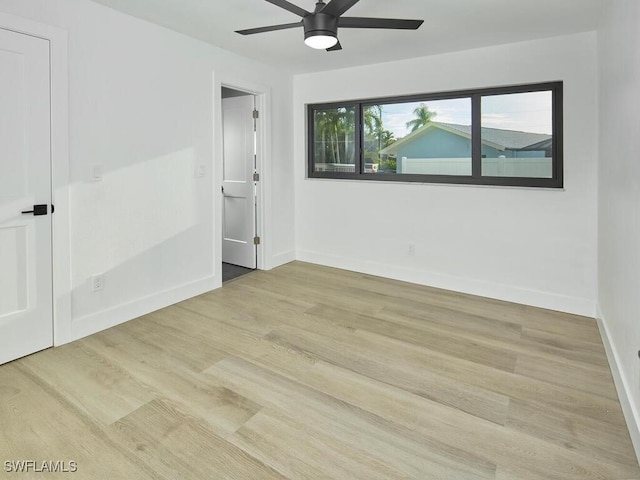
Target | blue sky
(527,112)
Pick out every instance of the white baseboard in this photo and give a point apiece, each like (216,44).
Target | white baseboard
(94,323)
(509,293)
(631,413)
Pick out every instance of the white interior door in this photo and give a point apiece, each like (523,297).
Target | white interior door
(26,316)
(239,188)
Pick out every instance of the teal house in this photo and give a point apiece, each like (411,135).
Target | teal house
(445,148)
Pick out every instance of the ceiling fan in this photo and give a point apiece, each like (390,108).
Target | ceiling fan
(321,25)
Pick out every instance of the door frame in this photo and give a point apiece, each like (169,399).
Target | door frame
(59,111)
(262,95)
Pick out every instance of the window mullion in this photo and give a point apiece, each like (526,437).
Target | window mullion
(476,136)
(359,140)
(557,151)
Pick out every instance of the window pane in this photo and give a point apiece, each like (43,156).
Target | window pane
(517,136)
(334,146)
(432,138)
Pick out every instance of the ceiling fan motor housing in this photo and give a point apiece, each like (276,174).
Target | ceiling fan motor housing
(320,24)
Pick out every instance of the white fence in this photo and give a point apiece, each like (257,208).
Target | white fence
(517,167)
(491,167)
(435,166)
(335,167)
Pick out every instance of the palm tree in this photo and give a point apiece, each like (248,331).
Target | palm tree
(334,130)
(373,119)
(423,116)
(348,121)
(386,138)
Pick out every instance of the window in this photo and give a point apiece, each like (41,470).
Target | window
(334,139)
(498,136)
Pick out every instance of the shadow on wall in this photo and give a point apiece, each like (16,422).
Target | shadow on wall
(141,227)
(130,211)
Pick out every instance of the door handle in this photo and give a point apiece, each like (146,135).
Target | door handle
(38,210)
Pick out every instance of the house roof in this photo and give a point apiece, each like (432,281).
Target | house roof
(494,137)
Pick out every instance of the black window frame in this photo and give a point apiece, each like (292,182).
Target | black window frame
(476,177)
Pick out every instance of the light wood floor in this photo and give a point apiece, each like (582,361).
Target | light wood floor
(307,372)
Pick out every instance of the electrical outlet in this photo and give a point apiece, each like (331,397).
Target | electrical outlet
(96,173)
(97,282)
(412,249)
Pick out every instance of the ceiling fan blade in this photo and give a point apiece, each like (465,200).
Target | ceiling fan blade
(290,7)
(337,46)
(271,28)
(338,7)
(394,23)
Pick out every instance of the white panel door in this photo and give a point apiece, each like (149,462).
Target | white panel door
(26,316)
(239,189)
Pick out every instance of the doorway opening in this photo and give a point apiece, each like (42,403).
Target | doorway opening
(240,182)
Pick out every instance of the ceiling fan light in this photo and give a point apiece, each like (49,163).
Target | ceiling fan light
(321,42)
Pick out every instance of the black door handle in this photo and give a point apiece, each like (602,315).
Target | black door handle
(38,210)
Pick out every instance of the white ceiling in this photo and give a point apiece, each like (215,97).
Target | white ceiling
(449,25)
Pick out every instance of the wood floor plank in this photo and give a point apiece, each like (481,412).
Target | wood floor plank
(395,292)
(94,384)
(448,343)
(520,340)
(232,306)
(448,320)
(309,403)
(297,288)
(184,446)
(478,437)
(564,324)
(39,424)
(404,357)
(310,372)
(386,290)
(412,377)
(180,346)
(192,392)
(564,346)
(314,447)
(230,339)
(588,436)
(587,378)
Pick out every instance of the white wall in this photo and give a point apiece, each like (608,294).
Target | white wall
(141,106)
(532,246)
(619,201)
